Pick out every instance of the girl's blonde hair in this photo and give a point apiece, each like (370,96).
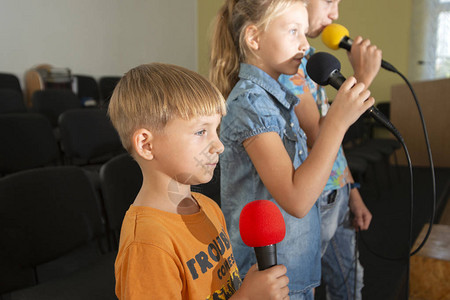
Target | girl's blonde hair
(228,48)
(151,95)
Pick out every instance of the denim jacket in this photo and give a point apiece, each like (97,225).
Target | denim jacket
(259,104)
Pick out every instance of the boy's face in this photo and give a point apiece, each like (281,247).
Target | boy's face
(188,151)
(283,44)
(321,13)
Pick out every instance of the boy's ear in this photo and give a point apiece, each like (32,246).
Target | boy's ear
(143,143)
(252,37)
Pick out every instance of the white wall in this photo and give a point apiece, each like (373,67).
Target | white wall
(96,37)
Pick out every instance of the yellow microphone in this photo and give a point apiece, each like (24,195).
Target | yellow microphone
(336,36)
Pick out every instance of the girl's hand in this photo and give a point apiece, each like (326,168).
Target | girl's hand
(351,101)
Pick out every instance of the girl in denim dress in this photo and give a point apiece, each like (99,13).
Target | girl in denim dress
(266,155)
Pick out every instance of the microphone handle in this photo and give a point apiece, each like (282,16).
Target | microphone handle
(383,120)
(387,66)
(346,43)
(336,79)
(266,256)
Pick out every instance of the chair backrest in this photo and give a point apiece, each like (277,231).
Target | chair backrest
(53,102)
(107,85)
(11,101)
(120,182)
(87,88)
(27,142)
(45,214)
(10,81)
(88,136)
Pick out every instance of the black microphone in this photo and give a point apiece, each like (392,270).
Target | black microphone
(336,36)
(324,69)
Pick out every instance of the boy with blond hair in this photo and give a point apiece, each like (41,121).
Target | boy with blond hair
(174,243)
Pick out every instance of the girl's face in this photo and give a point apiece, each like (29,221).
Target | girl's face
(280,48)
(321,13)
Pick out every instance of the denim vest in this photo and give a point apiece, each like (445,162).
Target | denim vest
(259,104)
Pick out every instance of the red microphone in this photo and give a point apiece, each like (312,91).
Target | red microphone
(261,225)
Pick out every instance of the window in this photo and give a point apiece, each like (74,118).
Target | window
(430,41)
(442,62)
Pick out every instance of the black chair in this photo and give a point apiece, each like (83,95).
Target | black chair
(51,228)
(355,140)
(53,102)
(10,81)
(94,282)
(27,142)
(120,182)
(88,137)
(107,85)
(87,90)
(11,101)
(359,142)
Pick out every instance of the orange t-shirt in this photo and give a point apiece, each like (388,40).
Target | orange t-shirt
(170,256)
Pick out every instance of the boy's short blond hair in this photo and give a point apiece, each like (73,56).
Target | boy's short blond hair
(151,95)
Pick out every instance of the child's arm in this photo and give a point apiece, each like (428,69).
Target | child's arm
(271,283)
(362,215)
(297,190)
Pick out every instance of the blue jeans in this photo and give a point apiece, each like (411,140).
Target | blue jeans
(338,246)
(305,295)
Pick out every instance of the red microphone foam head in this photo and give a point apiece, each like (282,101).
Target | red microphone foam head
(261,224)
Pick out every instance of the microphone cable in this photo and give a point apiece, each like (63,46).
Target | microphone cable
(433,179)
(411,209)
(430,158)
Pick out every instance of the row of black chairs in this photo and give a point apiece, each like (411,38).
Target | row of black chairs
(56,241)
(85,138)
(50,103)
(61,234)
(87,88)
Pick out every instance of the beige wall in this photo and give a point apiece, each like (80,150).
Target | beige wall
(101,37)
(385,22)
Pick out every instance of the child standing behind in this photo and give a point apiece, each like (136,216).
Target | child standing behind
(174,244)
(266,154)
